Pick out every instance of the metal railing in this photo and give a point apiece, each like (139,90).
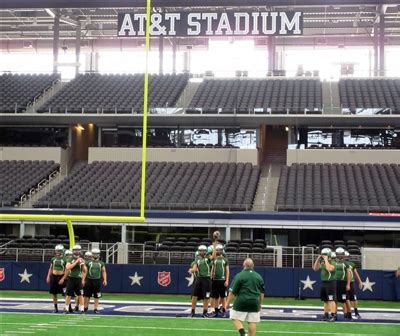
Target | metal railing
(276,256)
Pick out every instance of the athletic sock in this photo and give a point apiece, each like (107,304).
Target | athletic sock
(86,309)
(356,310)
(193,311)
(241,332)
(205,311)
(56,306)
(216,310)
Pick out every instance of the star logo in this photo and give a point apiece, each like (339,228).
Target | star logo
(190,280)
(25,276)
(367,285)
(135,279)
(308,283)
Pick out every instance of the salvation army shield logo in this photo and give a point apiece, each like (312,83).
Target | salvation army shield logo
(2,274)
(164,279)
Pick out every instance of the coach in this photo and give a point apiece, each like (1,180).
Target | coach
(248,292)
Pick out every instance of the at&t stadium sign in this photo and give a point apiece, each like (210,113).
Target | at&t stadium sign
(194,24)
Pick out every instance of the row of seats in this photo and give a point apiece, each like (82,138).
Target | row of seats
(17,91)
(243,95)
(19,177)
(370,94)
(95,93)
(178,185)
(339,187)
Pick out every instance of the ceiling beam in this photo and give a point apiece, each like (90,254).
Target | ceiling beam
(9,4)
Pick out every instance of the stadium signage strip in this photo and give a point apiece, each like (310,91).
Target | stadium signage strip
(194,24)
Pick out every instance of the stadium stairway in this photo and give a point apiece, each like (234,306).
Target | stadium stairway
(267,188)
(44,98)
(187,94)
(331,98)
(53,183)
(42,192)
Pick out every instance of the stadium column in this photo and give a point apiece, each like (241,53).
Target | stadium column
(271,53)
(77,46)
(161,55)
(174,45)
(376,48)
(56,41)
(382,45)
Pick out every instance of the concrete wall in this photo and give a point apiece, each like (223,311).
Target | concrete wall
(57,154)
(381,258)
(342,156)
(174,154)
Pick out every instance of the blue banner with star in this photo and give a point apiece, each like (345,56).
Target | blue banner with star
(25,276)
(175,279)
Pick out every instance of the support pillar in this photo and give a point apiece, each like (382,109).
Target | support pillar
(123,233)
(56,41)
(376,48)
(77,47)
(271,54)
(161,55)
(174,47)
(21,229)
(382,45)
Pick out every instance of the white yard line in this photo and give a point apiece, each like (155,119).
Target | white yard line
(165,303)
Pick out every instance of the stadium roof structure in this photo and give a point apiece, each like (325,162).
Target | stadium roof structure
(340,22)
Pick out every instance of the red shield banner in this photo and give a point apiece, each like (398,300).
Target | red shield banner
(164,279)
(2,274)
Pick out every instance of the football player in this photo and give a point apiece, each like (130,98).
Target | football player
(56,275)
(203,283)
(96,271)
(343,277)
(326,266)
(220,282)
(351,293)
(76,278)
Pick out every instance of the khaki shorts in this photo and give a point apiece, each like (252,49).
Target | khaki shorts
(245,316)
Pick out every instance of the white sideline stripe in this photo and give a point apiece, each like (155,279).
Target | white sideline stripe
(168,303)
(371,323)
(213,330)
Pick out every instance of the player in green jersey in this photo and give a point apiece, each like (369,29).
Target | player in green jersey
(247,290)
(76,278)
(202,289)
(326,266)
(96,271)
(56,275)
(343,277)
(351,293)
(220,282)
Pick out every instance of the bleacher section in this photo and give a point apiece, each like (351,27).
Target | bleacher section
(339,187)
(95,93)
(370,94)
(265,95)
(17,91)
(169,185)
(19,177)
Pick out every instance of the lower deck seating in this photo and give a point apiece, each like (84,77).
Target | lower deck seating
(169,185)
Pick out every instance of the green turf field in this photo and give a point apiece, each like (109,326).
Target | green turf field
(185,298)
(30,324)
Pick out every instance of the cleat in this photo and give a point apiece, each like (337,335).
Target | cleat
(324,318)
(357,316)
(204,315)
(212,314)
(55,311)
(331,319)
(76,308)
(96,311)
(66,312)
